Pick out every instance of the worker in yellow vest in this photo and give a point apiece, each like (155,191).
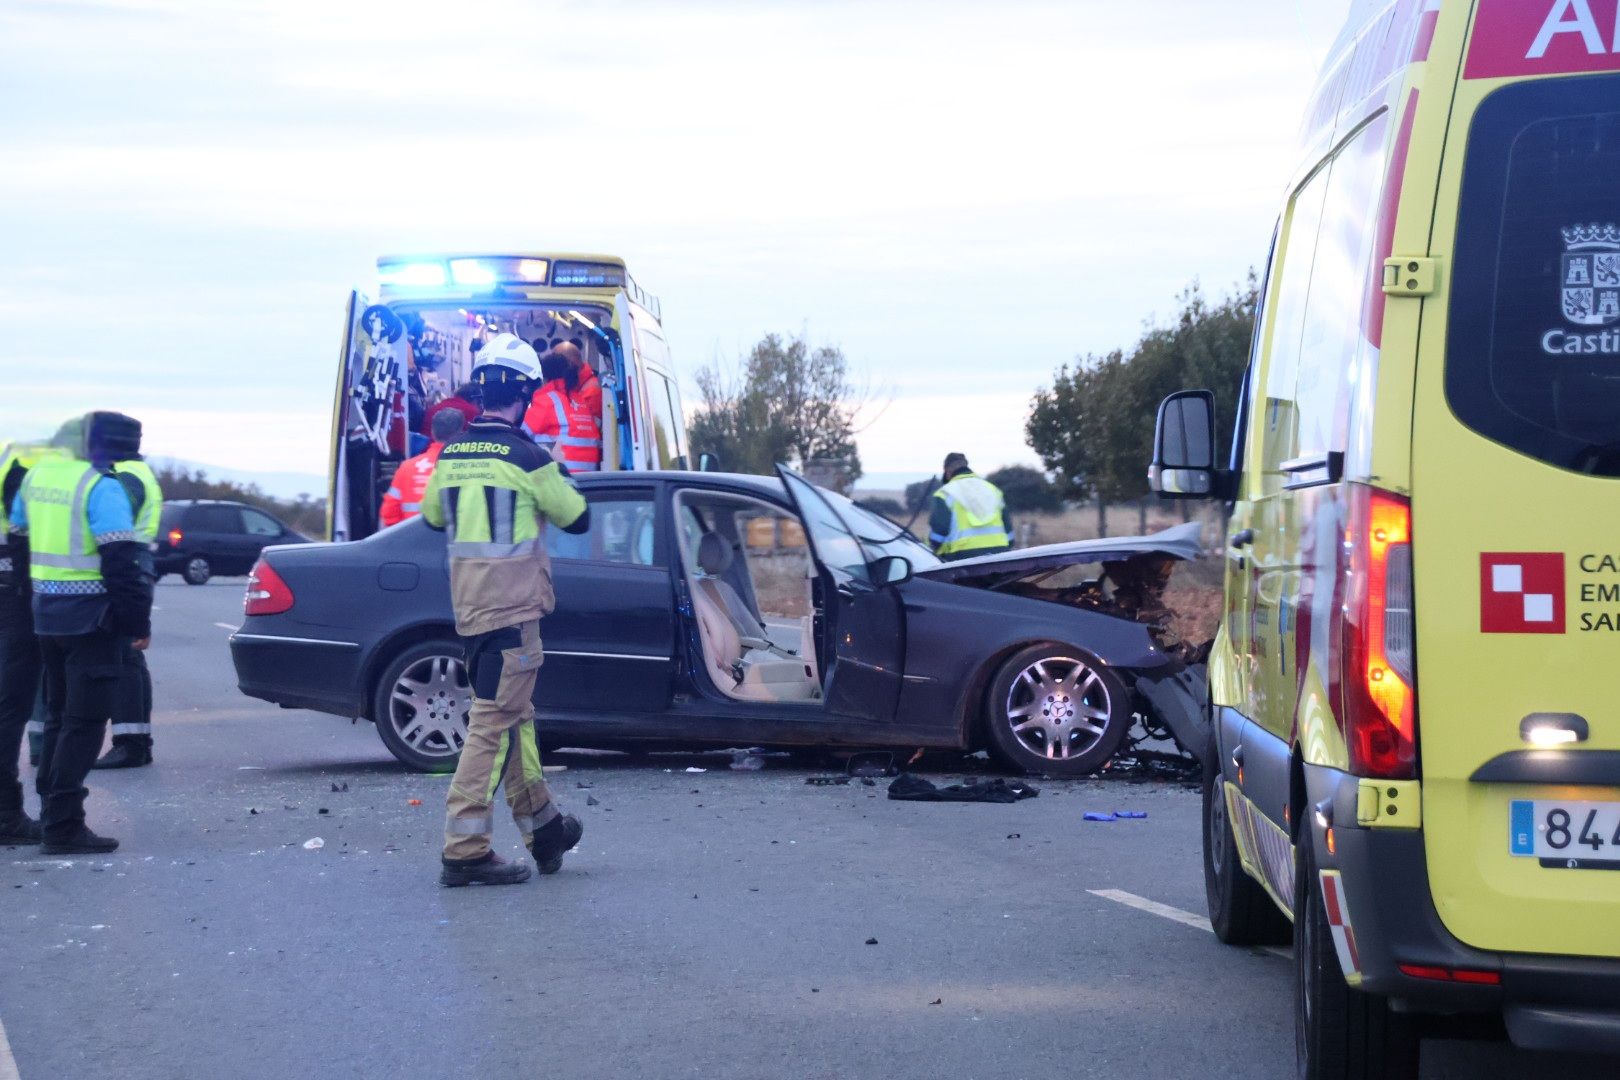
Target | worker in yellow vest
(132,715)
(969,515)
(19,650)
(92,603)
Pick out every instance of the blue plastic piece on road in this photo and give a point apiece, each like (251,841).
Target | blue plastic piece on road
(1092,815)
(1130,815)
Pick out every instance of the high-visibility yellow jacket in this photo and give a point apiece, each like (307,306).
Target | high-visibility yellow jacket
(969,518)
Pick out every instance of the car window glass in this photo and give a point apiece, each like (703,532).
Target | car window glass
(836,547)
(1333,340)
(623,530)
(1533,349)
(215,519)
(260,524)
(1280,421)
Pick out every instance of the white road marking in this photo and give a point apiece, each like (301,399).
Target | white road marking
(8,1064)
(1174,914)
(227,626)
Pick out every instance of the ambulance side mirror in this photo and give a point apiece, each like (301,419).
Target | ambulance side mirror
(1184,447)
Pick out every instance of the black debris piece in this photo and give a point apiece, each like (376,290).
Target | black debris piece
(1015,836)
(323,810)
(826,781)
(582,784)
(937,1001)
(1139,766)
(868,781)
(871,941)
(344,787)
(909,788)
(592,800)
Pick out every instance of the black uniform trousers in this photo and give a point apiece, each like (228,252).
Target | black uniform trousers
(132,711)
(19,687)
(84,674)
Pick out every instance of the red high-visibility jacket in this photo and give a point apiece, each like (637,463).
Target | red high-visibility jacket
(404,498)
(563,424)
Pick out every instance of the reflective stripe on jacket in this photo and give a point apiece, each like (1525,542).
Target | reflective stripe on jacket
(493,491)
(404,498)
(977,517)
(564,424)
(149,506)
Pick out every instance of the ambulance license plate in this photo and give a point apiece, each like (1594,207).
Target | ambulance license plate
(1566,833)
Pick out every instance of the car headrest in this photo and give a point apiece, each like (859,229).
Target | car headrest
(713,554)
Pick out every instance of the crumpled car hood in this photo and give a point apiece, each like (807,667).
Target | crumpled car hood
(1179,542)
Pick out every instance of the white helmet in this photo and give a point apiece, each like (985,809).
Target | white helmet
(506,358)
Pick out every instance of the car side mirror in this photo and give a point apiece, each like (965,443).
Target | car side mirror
(1184,447)
(891,570)
(708,463)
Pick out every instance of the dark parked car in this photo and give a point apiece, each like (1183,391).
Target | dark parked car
(713,610)
(199,538)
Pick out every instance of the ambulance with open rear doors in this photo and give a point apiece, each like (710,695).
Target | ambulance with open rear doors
(417,345)
(1414,750)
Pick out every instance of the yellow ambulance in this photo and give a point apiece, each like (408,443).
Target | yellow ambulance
(1414,746)
(415,346)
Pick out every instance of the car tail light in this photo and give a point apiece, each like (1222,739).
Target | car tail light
(175,536)
(267,593)
(1379,674)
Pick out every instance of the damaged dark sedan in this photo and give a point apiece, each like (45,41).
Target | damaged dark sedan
(712,610)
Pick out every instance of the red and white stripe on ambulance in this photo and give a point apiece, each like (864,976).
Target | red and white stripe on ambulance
(1518,38)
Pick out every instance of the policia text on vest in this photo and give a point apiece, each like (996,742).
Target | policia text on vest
(92,603)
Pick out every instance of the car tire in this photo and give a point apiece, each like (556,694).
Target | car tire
(1340,1033)
(1240,911)
(1056,711)
(197,571)
(420,705)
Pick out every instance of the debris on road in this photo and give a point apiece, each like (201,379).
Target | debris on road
(827,781)
(413,802)
(694,768)
(744,761)
(909,788)
(1115,815)
(877,763)
(592,800)
(871,941)
(1131,815)
(314,843)
(1096,815)
(345,787)
(937,1001)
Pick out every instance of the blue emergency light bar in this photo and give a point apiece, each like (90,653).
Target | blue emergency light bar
(469,273)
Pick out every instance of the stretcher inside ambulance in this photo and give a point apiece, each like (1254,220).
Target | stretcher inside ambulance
(416,347)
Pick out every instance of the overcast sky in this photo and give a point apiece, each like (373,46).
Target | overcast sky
(961,195)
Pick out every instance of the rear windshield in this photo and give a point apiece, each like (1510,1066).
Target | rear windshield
(1533,359)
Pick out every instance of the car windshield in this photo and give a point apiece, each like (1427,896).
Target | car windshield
(878,535)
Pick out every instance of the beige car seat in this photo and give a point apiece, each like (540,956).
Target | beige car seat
(740,657)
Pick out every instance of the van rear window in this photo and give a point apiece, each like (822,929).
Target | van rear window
(1533,357)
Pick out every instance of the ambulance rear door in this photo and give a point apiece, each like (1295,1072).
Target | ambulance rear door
(635,385)
(1516,494)
(351,359)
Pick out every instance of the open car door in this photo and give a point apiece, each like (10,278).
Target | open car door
(351,359)
(860,623)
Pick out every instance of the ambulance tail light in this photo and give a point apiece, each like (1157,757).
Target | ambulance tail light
(267,593)
(1378,678)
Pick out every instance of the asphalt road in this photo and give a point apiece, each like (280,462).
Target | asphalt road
(712,924)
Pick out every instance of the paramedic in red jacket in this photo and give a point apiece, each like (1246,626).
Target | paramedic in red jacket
(559,421)
(586,386)
(404,498)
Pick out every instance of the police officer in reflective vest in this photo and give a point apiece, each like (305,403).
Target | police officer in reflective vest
(969,516)
(19,649)
(132,719)
(92,604)
(494,492)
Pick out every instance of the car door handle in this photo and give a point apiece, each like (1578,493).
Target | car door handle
(1242,539)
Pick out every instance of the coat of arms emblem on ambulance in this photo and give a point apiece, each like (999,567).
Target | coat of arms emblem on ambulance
(1590,272)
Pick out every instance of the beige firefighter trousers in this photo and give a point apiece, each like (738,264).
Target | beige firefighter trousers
(501,747)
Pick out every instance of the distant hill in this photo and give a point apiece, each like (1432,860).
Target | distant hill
(280,485)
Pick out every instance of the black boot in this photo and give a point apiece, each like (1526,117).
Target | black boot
(553,840)
(84,842)
(489,870)
(16,827)
(124,756)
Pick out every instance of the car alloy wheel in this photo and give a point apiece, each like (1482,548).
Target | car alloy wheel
(428,706)
(1058,708)
(198,571)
